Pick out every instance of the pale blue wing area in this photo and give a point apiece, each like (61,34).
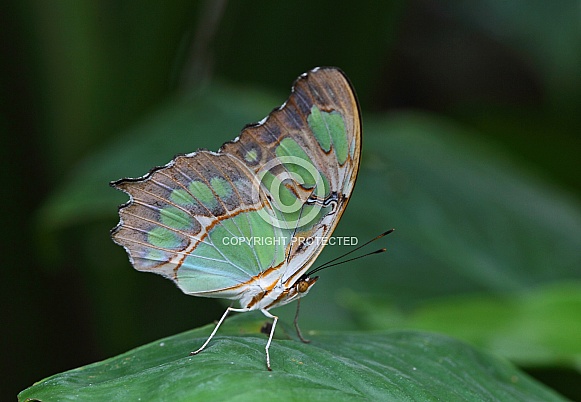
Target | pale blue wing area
(232,254)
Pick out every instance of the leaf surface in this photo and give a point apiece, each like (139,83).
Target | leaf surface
(388,365)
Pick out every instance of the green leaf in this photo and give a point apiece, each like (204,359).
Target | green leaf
(390,365)
(467,217)
(532,328)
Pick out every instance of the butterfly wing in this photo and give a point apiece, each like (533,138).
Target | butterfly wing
(182,219)
(319,124)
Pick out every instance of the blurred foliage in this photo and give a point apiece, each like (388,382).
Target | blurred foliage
(471,151)
(536,328)
(394,365)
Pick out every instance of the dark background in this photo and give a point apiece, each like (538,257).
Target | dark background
(76,75)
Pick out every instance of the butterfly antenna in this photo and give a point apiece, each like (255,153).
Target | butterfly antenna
(381,250)
(332,262)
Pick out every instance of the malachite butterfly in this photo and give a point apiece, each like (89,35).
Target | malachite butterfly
(245,223)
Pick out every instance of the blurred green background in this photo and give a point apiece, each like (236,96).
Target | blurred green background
(471,114)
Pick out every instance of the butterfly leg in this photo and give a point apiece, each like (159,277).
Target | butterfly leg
(275,319)
(228,310)
(296,322)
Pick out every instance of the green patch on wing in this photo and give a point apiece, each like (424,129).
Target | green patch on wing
(289,147)
(329,129)
(222,188)
(164,238)
(203,193)
(251,156)
(282,196)
(182,197)
(176,218)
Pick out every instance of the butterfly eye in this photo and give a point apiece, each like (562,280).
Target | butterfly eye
(303,285)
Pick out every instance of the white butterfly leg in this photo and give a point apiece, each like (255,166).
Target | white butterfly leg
(274,320)
(228,310)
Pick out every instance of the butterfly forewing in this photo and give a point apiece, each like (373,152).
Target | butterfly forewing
(320,124)
(205,219)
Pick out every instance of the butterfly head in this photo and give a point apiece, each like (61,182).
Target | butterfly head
(304,283)
(299,289)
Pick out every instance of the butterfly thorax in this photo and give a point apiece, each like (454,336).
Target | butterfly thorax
(278,295)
